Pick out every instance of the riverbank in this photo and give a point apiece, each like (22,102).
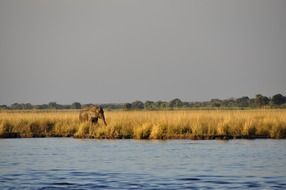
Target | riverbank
(191,124)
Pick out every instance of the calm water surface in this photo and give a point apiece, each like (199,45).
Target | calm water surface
(67,163)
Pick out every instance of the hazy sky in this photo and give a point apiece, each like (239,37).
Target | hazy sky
(118,51)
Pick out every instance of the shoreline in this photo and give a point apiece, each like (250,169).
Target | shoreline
(218,137)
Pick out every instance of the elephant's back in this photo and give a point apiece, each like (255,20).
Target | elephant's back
(94,109)
(83,115)
(86,112)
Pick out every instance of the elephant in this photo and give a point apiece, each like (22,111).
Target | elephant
(92,114)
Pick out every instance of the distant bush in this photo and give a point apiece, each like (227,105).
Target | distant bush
(278,99)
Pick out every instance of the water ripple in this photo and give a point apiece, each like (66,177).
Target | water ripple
(76,164)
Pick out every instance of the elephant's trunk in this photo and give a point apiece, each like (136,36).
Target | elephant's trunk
(103,118)
(101,115)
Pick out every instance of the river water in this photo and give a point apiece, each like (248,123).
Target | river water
(67,163)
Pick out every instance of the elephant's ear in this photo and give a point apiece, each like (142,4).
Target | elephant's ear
(90,114)
(94,110)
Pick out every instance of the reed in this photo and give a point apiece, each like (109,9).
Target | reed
(185,124)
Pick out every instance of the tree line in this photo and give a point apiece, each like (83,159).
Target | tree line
(259,101)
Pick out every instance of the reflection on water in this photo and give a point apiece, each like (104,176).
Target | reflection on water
(67,163)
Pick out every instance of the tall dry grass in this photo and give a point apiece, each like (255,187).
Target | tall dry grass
(148,124)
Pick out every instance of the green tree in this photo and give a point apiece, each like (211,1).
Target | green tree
(137,105)
(261,100)
(215,102)
(52,105)
(127,106)
(278,99)
(149,105)
(27,106)
(16,106)
(76,105)
(3,107)
(175,103)
(161,104)
(243,101)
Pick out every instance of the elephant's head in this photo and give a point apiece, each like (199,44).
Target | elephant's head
(97,112)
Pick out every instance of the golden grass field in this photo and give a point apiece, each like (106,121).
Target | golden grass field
(188,124)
